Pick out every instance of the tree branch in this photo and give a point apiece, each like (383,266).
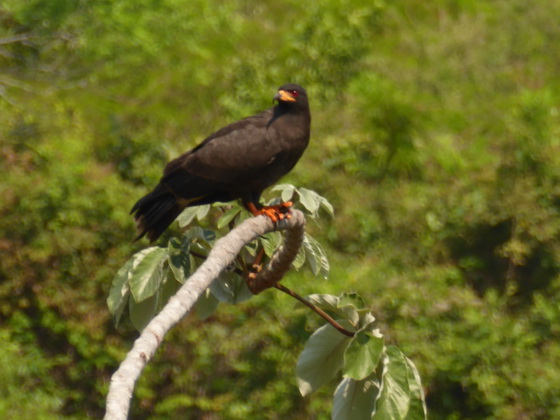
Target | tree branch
(222,254)
(316,309)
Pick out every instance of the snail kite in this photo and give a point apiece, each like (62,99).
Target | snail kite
(237,162)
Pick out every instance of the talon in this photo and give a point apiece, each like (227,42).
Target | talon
(275,213)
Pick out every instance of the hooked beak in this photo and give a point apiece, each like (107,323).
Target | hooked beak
(283,96)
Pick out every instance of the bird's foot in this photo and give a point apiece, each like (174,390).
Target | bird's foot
(276,212)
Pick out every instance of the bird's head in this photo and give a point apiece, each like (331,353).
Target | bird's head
(292,95)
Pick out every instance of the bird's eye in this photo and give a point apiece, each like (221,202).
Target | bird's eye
(294,93)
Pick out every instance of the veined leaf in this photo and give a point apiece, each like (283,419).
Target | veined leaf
(362,356)
(310,200)
(300,259)
(398,400)
(354,400)
(321,358)
(316,256)
(147,272)
(120,291)
(417,398)
(271,241)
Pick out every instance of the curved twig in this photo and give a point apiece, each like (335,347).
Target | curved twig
(316,309)
(222,255)
(280,262)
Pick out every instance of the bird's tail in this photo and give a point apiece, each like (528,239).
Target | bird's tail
(154,212)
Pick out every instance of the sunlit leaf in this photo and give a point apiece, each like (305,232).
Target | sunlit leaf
(187,216)
(354,400)
(147,272)
(120,291)
(202,211)
(227,217)
(398,400)
(325,204)
(321,358)
(300,259)
(287,191)
(271,241)
(310,200)
(316,256)
(362,356)
(417,398)
(324,301)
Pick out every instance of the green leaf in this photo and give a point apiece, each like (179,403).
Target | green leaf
(354,400)
(206,305)
(120,291)
(326,302)
(417,398)
(398,399)
(271,241)
(168,288)
(147,272)
(352,299)
(300,259)
(325,204)
(227,217)
(196,232)
(187,216)
(179,258)
(333,304)
(310,200)
(316,256)
(287,191)
(141,313)
(202,211)
(230,288)
(321,358)
(362,356)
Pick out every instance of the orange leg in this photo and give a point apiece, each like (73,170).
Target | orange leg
(274,213)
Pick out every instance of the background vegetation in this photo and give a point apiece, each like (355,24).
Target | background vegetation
(436,135)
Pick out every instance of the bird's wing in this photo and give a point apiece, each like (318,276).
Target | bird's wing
(233,154)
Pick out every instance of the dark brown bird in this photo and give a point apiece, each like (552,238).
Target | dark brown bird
(237,162)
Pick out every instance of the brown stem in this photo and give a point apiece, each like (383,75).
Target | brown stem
(251,276)
(315,308)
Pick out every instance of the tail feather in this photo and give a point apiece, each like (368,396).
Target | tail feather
(154,213)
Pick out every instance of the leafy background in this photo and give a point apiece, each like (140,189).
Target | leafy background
(435,136)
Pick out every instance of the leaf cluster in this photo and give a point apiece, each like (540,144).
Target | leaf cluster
(151,276)
(379,382)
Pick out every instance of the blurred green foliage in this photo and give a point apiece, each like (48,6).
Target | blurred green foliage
(436,136)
